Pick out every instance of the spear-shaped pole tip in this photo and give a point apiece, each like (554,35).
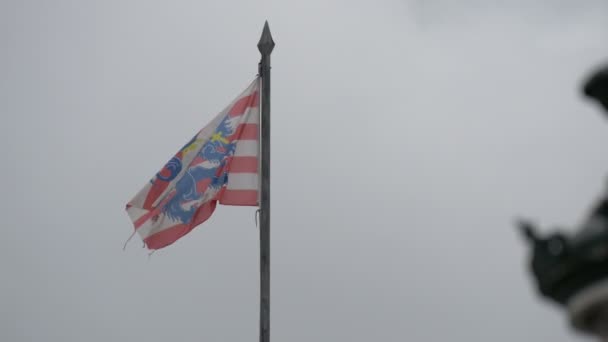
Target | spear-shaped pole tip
(527,229)
(266,44)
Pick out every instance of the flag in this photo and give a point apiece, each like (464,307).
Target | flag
(219,164)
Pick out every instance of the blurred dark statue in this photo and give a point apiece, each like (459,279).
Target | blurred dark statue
(571,270)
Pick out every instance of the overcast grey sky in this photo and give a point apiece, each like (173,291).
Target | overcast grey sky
(407,136)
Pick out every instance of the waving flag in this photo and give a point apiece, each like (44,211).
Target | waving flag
(219,164)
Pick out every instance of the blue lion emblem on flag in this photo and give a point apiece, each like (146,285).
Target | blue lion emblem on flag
(215,153)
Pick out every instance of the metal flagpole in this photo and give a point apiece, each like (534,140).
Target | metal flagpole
(265,46)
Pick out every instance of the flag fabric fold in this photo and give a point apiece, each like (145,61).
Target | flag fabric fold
(219,164)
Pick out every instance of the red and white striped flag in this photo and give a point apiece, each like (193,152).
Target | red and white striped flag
(219,164)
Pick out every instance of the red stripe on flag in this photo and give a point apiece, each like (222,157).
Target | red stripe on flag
(243,103)
(146,217)
(197,160)
(239,197)
(153,212)
(168,236)
(246,132)
(243,165)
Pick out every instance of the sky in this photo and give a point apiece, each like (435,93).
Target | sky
(407,137)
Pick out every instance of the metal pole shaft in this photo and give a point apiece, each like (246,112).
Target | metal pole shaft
(265,46)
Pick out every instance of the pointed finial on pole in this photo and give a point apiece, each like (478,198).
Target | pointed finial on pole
(527,230)
(266,44)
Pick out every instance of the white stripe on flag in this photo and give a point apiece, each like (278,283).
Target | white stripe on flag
(242,181)
(135,213)
(252,115)
(246,148)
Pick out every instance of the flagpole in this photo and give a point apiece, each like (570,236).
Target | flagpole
(265,45)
